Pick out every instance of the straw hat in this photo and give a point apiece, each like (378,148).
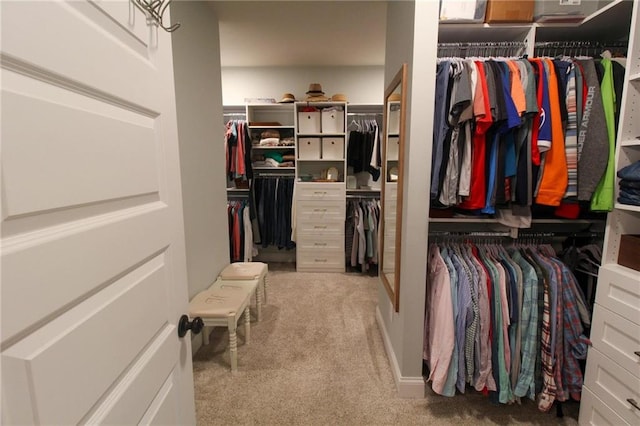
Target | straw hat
(287,98)
(394,97)
(315,89)
(339,97)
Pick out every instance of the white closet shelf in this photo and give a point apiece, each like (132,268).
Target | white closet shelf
(271,127)
(320,160)
(597,26)
(627,207)
(480,32)
(490,220)
(273,147)
(319,135)
(274,168)
(621,270)
(635,77)
(630,143)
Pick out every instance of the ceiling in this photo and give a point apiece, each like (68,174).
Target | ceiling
(301,33)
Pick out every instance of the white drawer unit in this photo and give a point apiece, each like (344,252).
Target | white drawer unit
(320,222)
(311,229)
(618,389)
(321,242)
(320,191)
(617,338)
(595,412)
(619,291)
(327,211)
(317,260)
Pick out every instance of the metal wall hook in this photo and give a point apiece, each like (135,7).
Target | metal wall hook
(154,10)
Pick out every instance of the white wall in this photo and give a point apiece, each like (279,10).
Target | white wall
(361,84)
(196,63)
(416,45)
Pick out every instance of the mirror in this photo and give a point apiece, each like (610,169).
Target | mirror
(391,188)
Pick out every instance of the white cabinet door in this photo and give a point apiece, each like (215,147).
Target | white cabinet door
(93,257)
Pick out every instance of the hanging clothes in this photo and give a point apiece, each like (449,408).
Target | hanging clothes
(510,133)
(361,233)
(240,233)
(508,321)
(237,144)
(363,148)
(273,196)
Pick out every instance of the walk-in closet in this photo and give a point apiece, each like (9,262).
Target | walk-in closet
(393,212)
(491,191)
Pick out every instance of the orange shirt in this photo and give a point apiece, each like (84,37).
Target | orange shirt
(555,175)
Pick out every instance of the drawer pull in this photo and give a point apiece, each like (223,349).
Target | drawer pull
(319,244)
(320,260)
(319,210)
(320,227)
(320,192)
(637,353)
(634,403)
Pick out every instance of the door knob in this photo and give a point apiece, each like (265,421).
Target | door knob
(196,325)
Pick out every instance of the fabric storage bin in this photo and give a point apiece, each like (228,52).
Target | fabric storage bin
(394,119)
(393,144)
(309,149)
(462,10)
(309,122)
(333,148)
(332,121)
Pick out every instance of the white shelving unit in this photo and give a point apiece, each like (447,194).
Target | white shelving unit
(275,117)
(611,390)
(321,141)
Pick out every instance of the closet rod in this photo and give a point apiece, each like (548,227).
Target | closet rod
(270,175)
(364,114)
(234,114)
(364,196)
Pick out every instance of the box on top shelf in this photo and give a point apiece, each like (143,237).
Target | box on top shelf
(309,122)
(563,11)
(509,11)
(332,120)
(462,10)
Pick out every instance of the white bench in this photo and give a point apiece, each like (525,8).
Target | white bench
(249,271)
(223,307)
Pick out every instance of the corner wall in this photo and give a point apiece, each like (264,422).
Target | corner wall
(416,45)
(196,64)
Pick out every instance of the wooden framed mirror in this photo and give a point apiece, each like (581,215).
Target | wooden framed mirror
(391,188)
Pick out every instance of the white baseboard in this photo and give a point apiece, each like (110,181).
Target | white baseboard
(408,387)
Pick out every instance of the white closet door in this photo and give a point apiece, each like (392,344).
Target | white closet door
(93,257)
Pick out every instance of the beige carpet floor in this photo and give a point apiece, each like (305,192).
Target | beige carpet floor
(317,358)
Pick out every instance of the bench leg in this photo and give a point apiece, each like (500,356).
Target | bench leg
(258,303)
(264,288)
(247,325)
(233,344)
(205,335)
